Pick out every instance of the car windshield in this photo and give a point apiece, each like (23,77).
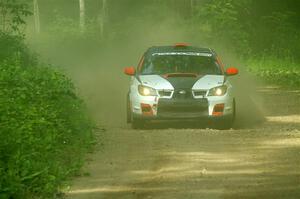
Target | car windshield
(168,64)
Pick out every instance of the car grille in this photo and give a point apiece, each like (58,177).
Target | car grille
(182,107)
(165,93)
(183,94)
(199,93)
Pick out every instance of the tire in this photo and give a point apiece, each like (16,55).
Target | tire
(129,114)
(137,123)
(224,124)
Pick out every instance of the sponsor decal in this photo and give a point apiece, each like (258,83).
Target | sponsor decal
(182,92)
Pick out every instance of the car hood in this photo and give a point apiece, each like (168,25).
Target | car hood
(169,83)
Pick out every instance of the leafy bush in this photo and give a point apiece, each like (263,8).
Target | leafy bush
(13,13)
(44,131)
(13,46)
(285,72)
(268,38)
(221,21)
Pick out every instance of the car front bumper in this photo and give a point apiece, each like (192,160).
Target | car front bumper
(183,109)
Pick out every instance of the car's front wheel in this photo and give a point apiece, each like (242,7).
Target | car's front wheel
(129,113)
(136,123)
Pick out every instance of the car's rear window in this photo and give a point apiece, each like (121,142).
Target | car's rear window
(166,63)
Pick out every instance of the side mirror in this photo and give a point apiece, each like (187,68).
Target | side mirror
(231,71)
(129,71)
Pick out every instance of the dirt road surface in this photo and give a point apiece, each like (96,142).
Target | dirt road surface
(258,158)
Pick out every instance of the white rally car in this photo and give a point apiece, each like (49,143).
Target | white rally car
(180,82)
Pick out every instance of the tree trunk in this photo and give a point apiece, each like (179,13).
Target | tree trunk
(36,13)
(3,13)
(103,18)
(192,7)
(82,15)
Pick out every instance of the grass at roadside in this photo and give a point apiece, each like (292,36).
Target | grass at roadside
(283,72)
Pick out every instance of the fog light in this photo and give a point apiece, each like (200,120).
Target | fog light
(218,110)
(147,109)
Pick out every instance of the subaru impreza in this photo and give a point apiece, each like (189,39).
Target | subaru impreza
(181,82)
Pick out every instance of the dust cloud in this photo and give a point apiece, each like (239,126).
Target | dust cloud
(97,70)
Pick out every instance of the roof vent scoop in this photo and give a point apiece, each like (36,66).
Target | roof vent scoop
(181,45)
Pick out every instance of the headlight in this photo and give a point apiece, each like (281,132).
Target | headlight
(147,91)
(218,91)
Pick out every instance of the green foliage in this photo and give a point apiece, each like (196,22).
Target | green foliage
(241,26)
(281,36)
(285,72)
(262,32)
(12,13)
(219,21)
(12,46)
(44,131)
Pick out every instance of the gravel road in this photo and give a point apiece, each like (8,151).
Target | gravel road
(258,158)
